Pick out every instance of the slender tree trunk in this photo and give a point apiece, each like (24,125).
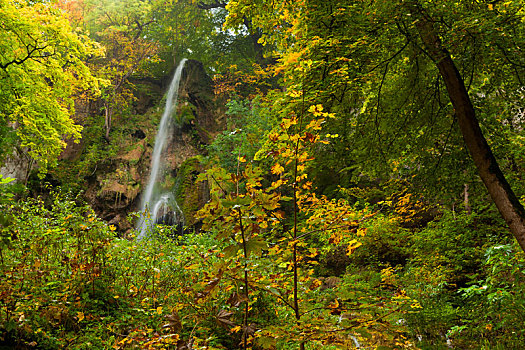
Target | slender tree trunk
(488,169)
(466,201)
(107,121)
(246,284)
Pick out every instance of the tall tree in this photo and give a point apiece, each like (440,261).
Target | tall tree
(401,76)
(489,170)
(41,72)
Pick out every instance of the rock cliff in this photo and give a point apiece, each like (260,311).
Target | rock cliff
(114,184)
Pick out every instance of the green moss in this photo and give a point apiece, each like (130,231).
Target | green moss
(185,114)
(169,182)
(187,193)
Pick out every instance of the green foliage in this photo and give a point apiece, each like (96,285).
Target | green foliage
(42,71)
(69,282)
(6,196)
(328,175)
(494,302)
(55,268)
(384,242)
(248,124)
(364,62)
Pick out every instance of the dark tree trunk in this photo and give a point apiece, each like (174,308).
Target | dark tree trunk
(488,169)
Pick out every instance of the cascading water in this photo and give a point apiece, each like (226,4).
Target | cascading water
(155,205)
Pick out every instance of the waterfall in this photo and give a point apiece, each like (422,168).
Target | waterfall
(157,206)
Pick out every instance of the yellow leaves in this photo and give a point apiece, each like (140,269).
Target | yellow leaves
(235,329)
(274,137)
(315,124)
(80,316)
(316,110)
(277,183)
(313,253)
(352,246)
(315,284)
(159,310)
(288,122)
(416,305)
(277,169)
(294,93)
(361,232)
(300,178)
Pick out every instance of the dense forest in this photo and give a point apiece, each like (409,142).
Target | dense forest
(266,174)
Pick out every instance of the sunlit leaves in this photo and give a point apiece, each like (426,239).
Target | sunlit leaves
(42,71)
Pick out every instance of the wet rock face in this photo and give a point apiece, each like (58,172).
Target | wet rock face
(198,91)
(114,189)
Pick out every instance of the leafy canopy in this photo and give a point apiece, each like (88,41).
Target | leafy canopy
(41,71)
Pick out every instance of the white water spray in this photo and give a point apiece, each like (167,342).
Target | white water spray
(155,205)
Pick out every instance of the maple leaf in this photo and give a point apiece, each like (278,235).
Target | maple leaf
(223,318)
(236,299)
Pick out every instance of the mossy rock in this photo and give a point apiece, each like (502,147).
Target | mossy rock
(190,195)
(185,114)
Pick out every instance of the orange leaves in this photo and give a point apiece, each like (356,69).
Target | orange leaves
(287,61)
(292,58)
(335,238)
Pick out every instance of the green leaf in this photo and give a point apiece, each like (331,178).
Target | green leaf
(231,250)
(267,342)
(256,245)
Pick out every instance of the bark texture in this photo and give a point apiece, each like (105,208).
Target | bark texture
(488,169)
